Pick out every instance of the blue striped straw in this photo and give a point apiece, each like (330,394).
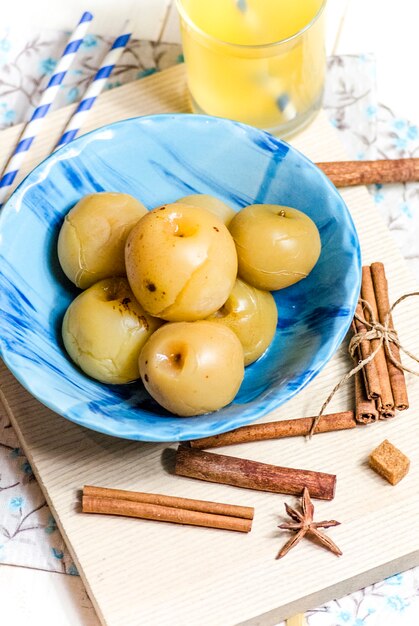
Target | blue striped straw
(38,116)
(96,86)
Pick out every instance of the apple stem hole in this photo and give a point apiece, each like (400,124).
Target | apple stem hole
(184,228)
(176,360)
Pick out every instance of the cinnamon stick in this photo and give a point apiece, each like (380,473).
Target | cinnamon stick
(201,506)
(299,427)
(128,508)
(370,373)
(365,408)
(396,375)
(365,403)
(229,470)
(349,173)
(368,294)
(385,413)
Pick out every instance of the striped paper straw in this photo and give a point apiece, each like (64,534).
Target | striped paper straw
(99,81)
(38,116)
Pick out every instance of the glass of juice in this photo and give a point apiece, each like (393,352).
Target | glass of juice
(261,62)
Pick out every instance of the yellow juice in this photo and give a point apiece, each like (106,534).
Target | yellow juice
(261,62)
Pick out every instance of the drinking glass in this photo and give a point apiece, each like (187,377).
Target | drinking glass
(261,62)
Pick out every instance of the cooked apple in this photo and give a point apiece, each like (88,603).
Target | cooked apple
(92,238)
(192,368)
(104,329)
(252,314)
(212,204)
(181,262)
(277,246)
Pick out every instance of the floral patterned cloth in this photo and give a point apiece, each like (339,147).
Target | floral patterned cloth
(370,130)
(28,532)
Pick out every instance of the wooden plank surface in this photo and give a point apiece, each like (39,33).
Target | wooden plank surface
(140,572)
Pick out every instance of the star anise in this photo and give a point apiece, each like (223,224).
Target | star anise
(303,524)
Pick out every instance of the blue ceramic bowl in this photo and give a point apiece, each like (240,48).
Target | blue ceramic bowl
(158,159)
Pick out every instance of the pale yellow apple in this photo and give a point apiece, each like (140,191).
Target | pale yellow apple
(181,262)
(252,314)
(104,329)
(277,246)
(92,238)
(191,368)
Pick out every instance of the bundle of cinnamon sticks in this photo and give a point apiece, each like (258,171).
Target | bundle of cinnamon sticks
(380,387)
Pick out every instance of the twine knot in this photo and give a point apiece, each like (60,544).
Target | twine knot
(383,332)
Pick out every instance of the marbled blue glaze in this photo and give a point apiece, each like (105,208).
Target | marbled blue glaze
(159,159)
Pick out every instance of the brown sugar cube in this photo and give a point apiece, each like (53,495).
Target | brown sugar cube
(389,462)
